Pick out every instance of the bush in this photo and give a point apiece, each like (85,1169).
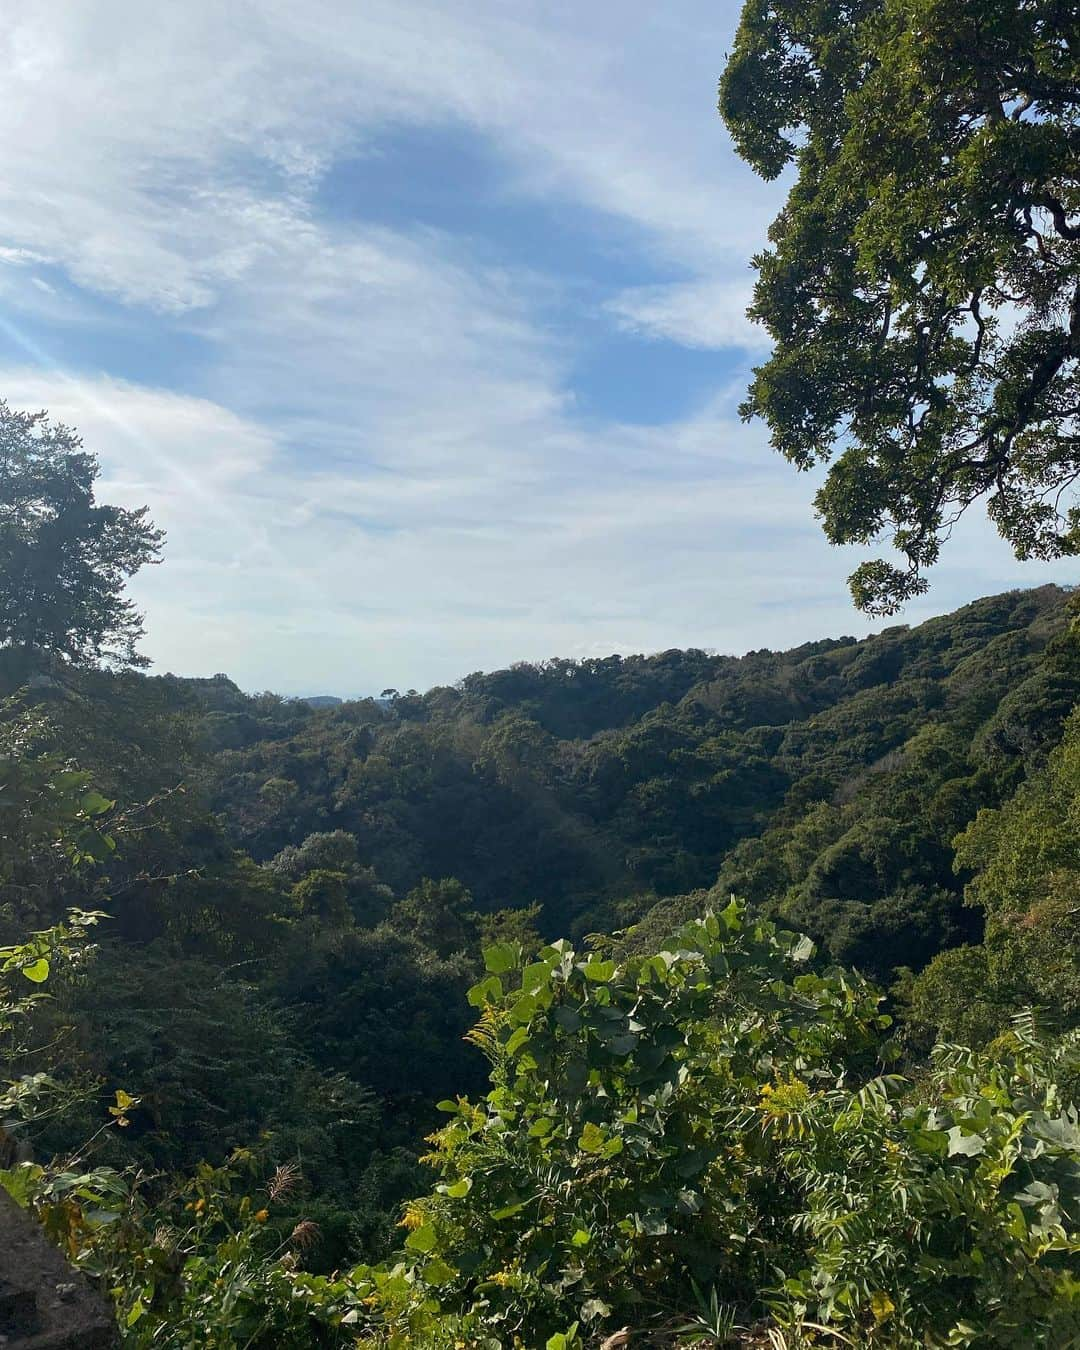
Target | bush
(716,1116)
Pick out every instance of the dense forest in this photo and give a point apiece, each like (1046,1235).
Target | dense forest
(297,900)
(657,1000)
(826,782)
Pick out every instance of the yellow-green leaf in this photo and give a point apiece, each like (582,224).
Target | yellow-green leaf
(423,1239)
(882,1306)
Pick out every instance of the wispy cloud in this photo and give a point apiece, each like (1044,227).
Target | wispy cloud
(366,439)
(141,147)
(304,574)
(696,314)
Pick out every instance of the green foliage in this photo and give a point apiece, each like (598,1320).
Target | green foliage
(378,1004)
(657,1125)
(359,894)
(208,1262)
(577,800)
(1024,862)
(439,914)
(51,820)
(64,560)
(685,1137)
(49,831)
(621,1093)
(713,1115)
(181,996)
(922,284)
(27,1097)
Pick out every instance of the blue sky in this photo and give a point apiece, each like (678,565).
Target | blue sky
(419,325)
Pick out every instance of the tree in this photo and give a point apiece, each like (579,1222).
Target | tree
(1025,861)
(50,819)
(64,560)
(439,915)
(333,851)
(922,285)
(329,880)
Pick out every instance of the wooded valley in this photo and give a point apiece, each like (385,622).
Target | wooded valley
(647,1001)
(297,903)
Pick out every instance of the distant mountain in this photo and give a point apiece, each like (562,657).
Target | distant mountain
(322,700)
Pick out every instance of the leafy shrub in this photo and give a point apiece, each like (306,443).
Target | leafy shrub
(714,1116)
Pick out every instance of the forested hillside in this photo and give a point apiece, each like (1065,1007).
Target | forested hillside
(824,783)
(264,931)
(645,1002)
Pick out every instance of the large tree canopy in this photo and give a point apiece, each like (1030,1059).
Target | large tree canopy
(922,286)
(64,560)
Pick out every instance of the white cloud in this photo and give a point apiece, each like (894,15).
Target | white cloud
(696,314)
(381,477)
(135,140)
(21,257)
(346,581)
(191,460)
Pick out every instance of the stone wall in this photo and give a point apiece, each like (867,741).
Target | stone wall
(45,1304)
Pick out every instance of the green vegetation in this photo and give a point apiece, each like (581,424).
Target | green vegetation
(1024,859)
(715,1116)
(63,559)
(678,1132)
(922,284)
(750,986)
(824,784)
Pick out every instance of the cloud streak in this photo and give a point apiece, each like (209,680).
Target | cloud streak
(307,580)
(149,152)
(367,439)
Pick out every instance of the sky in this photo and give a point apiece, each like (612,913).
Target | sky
(419,325)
